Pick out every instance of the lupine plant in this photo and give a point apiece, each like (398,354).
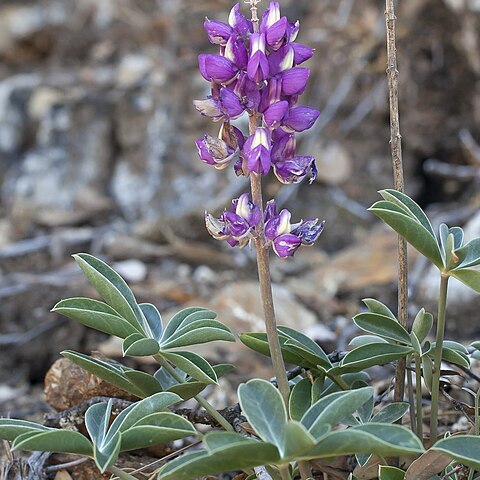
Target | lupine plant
(325,408)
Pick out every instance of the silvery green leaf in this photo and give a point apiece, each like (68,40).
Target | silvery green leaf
(97,419)
(142,347)
(469,277)
(456,242)
(415,344)
(382,326)
(469,254)
(369,355)
(155,429)
(350,379)
(391,413)
(153,321)
(390,473)
(145,382)
(376,306)
(264,409)
(411,206)
(464,449)
(300,399)
(105,370)
(329,410)
(177,320)
(410,229)
(111,287)
(365,340)
(296,440)
(107,454)
(422,324)
(53,440)
(11,428)
(225,451)
(366,410)
(95,314)
(193,365)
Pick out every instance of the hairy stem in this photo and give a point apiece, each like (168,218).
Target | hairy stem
(442,302)
(338,380)
(201,401)
(418,395)
(396,149)
(120,473)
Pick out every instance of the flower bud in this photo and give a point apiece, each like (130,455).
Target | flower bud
(218,32)
(257,68)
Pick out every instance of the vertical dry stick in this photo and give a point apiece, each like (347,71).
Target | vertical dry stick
(396,148)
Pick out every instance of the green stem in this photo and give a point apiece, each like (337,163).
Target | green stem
(442,303)
(411,401)
(285,472)
(204,403)
(337,379)
(121,474)
(477,415)
(418,396)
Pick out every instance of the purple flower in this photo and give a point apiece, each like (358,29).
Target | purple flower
(270,16)
(284,146)
(238,21)
(230,104)
(278,225)
(215,152)
(295,169)
(247,90)
(232,136)
(256,151)
(218,32)
(216,68)
(258,68)
(309,230)
(301,53)
(270,94)
(300,118)
(294,81)
(286,245)
(236,52)
(237,226)
(275,113)
(281,60)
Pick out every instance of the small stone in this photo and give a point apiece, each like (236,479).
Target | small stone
(131,270)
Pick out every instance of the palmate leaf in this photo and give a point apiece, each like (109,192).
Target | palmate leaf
(462,448)
(383,326)
(176,321)
(153,321)
(54,440)
(457,236)
(369,355)
(264,409)
(422,324)
(410,228)
(95,314)
(145,382)
(136,346)
(112,288)
(365,340)
(224,452)
(296,440)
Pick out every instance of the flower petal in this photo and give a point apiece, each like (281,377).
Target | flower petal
(286,245)
(301,118)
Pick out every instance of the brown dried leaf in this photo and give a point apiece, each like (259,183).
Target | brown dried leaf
(427,465)
(369,471)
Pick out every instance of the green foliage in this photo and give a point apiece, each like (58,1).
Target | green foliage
(140,425)
(462,448)
(447,253)
(141,328)
(390,473)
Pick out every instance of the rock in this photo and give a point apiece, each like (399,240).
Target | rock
(334,164)
(67,384)
(131,270)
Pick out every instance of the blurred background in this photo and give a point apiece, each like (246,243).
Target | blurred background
(97,154)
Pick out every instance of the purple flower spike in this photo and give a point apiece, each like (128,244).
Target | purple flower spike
(237,226)
(270,210)
(286,245)
(270,94)
(301,53)
(246,209)
(295,170)
(218,32)
(257,68)
(309,230)
(236,52)
(270,16)
(294,81)
(292,31)
(274,114)
(281,60)
(278,225)
(216,68)
(216,227)
(257,151)
(300,118)
(238,21)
